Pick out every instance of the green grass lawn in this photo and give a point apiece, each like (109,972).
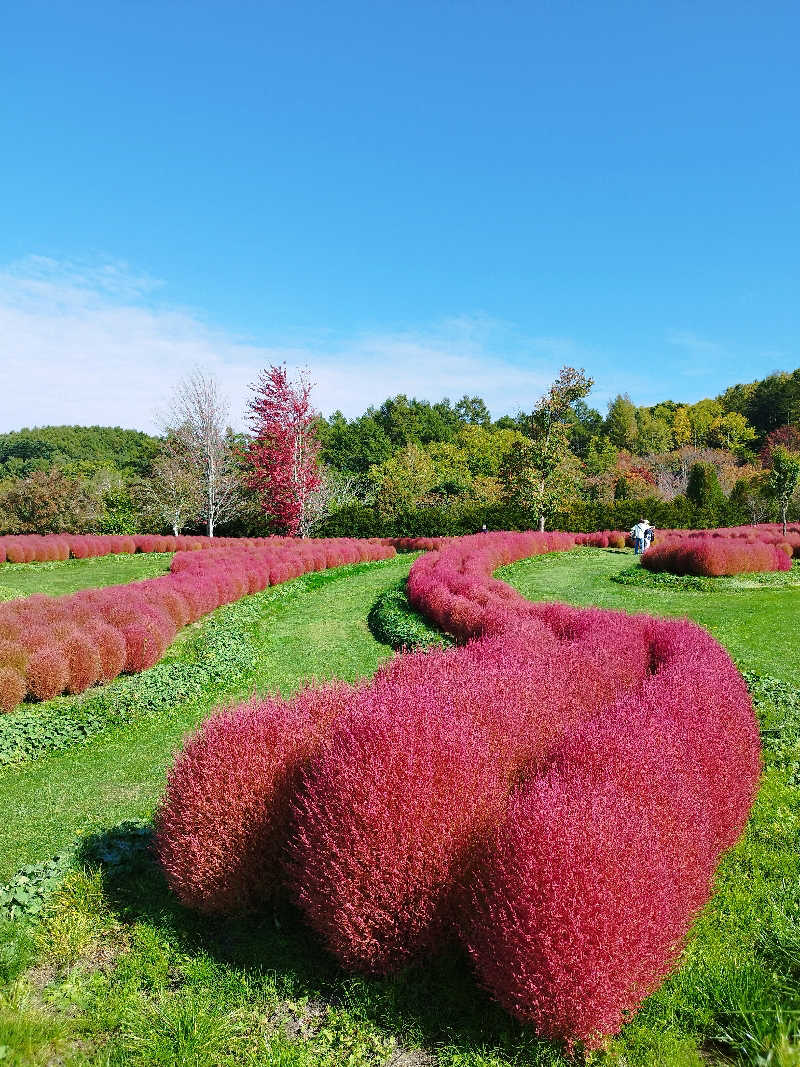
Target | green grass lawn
(23,579)
(114,973)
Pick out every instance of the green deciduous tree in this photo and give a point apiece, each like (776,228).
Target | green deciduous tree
(653,433)
(732,431)
(542,472)
(620,424)
(783,478)
(473,411)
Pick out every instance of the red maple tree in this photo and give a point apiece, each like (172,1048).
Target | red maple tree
(282,463)
(785,436)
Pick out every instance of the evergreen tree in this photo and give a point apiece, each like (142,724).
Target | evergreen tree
(784,478)
(704,490)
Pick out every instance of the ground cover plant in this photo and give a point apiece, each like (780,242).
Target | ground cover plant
(390,857)
(259,990)
(393,621)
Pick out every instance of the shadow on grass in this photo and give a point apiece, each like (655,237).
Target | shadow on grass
(433,1004)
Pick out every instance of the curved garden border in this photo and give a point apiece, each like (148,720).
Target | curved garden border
(576,776)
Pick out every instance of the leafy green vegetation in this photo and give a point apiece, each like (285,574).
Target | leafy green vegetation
(394,622)
(104,968)
(77,449)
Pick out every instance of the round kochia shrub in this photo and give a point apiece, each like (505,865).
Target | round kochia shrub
(713,557)
(389,809)
(223,822)
(557,793)
(12,688)
(585,891)
(225,817)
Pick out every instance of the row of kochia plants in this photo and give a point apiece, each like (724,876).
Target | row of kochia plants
(54,645)
(712,553)
(555,792)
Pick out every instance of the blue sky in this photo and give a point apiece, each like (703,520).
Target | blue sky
(433,198)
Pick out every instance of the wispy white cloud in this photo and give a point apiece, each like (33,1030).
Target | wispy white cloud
(695,345)
(96,343)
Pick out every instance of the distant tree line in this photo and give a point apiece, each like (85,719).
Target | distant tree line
(411,466)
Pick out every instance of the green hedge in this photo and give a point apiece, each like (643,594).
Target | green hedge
(582,517)
(394,622)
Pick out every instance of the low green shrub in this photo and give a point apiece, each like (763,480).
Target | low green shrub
(394,622)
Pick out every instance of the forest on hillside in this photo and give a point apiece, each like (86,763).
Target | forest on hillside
(411,466)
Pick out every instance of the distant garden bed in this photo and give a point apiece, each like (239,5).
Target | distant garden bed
(637,575)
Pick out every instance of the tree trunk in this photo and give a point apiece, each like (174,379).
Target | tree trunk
(541,524)
(783,519)
(211,473)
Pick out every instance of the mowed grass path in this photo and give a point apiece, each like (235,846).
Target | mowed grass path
(57,579)
(758,627)
(311,633)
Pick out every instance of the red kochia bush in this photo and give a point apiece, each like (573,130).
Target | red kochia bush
(586,891)
(557,793)
(12,688)
(385,823)
(406,782)
(47,673)
(225,815)
(715,556)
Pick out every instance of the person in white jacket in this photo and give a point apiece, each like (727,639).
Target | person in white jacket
(639,533)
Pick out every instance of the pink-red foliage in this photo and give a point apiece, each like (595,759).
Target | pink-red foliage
(557,792)
(47,674)
(225,816)
(715,556)
(98,633)
(283,468)
(385,822)
(13,654)
(12,688)
(586,891)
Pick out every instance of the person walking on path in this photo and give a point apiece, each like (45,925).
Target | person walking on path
(638,534)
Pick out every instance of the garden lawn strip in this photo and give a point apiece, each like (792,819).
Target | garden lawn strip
(311,628)
(68,576)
